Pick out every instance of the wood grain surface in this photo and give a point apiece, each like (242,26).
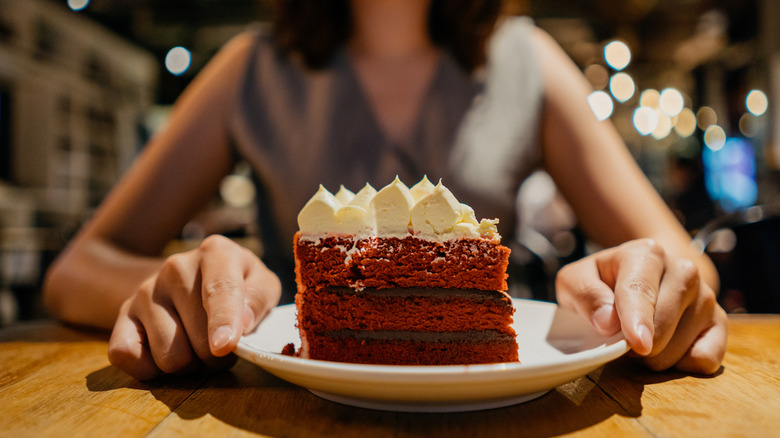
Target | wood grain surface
(56,381)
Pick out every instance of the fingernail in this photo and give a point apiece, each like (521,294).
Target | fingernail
(221,337)
(645,339)
(249,317)
(602,317)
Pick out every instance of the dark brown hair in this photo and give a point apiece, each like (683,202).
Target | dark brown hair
(316,29)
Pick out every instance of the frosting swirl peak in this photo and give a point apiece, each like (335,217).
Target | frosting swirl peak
(425,211)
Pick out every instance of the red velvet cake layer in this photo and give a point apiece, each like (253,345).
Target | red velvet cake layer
(394,262)
(404,301)
(419,310)
(367,350)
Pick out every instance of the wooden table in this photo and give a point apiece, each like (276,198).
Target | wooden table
(56,381)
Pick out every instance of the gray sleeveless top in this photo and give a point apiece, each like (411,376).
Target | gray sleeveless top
(300,128)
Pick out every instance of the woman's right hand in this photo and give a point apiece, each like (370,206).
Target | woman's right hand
(193,311)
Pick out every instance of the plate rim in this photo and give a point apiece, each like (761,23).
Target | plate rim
(615,345)
(434,388)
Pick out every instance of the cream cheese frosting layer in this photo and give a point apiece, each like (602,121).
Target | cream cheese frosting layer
(426,211)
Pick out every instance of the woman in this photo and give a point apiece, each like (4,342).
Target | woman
(344,92)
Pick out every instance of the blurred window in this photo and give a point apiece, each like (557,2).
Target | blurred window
(5,135)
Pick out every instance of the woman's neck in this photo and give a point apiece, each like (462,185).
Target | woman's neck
(390,29)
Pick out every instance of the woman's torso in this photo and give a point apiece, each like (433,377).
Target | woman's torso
(477,132)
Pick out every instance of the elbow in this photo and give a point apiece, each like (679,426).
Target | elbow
(53,293)
(60,289)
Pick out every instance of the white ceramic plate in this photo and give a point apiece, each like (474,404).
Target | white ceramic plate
(555,347)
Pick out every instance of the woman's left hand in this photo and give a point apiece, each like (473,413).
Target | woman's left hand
(668,315)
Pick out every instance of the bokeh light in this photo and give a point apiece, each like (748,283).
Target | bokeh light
(706,117)
(756,102)
(663,127)
(617,54)
(78,5)
(649,98)
(645,120)
(730,174)
(597,75)
(671,101)
(177,61)
(748,125)
(237,190)
(622,87)
(601,104)
(714,137)
(685,123)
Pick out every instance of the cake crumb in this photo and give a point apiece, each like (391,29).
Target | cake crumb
(289,350)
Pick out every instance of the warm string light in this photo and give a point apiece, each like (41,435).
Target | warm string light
(671,102)
(622,87)
(685,125)
(756,102)
(645,120)
(617,55)
(659,113)
(178,60)
(78,5)
(714,137)
(601,104)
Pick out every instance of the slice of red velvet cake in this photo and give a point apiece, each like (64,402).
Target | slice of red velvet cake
(401,276)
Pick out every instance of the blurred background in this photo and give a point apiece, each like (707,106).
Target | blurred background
(691,85)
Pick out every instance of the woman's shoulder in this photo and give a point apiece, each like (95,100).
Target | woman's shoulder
(256,36)
(512,40)
(248,50)
(517,22)
(256,45)
(514,28)
(512,48)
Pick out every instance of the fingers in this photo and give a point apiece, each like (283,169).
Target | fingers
(237,292)
(640,269)
(707,352)
(193,311)
(166,339)
(617,289)
(679,289)
(223,294)
(128,349)
(178,285)
(666,313)
(699,342)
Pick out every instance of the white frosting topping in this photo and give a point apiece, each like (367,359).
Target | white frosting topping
(422,188)
(319,214)
(364,196)
(436,213)
(426,211)
(344,195)
(391,208)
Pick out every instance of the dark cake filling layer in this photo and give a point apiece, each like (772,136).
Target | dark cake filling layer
(402,335)
(477,295)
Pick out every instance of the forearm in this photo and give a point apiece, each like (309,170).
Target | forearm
(91,279)
(589,162)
